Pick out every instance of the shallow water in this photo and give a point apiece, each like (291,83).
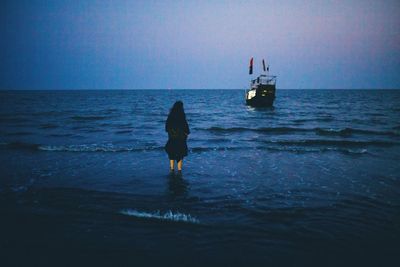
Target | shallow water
(85,172)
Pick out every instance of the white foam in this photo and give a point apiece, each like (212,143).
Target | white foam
(85,148)
(359,151)
(93,148)
(75,148)
(167,216)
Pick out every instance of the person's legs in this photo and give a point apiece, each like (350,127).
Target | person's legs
(171,164)
(180,165)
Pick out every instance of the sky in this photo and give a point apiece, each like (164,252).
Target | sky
(120,44)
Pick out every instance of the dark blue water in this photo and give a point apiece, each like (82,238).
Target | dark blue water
(313,180)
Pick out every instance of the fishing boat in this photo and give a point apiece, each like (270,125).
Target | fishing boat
(262,89)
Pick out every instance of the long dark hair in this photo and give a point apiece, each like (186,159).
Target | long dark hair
(177,113)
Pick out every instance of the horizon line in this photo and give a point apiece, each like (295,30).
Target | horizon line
(131,89)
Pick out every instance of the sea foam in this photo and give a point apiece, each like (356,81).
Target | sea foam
(95,148)
(167,216)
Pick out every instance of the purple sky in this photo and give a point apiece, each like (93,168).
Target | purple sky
(198,44)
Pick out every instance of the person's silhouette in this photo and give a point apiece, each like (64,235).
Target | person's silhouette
(178,131)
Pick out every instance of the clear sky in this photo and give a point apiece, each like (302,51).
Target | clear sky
(91,44)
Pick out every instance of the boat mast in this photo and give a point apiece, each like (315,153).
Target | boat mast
(263,63)
(251,66)
(251,72)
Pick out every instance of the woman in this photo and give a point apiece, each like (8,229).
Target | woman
(178,131)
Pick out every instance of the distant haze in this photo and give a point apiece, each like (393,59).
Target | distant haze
(198,44)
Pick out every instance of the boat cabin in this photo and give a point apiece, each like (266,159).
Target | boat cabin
(263,80)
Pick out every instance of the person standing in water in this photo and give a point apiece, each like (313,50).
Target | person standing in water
(178,131)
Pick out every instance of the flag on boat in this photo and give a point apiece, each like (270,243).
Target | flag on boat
(251,66)
(263,64)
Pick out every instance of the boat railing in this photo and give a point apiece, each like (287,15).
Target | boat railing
(263,80)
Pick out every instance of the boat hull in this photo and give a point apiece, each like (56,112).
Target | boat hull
(262,96)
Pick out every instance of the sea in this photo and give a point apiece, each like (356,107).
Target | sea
(312,181)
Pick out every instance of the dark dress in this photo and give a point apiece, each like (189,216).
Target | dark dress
(178,130)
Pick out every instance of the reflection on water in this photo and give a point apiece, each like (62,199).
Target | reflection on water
(177,185)
(258,109)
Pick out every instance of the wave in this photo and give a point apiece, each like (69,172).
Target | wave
(351,131)
(299,121)
(319,150)
(61,135)
(296,146)
(47,113)
(263,130)
(88,129)
(325,119)
(218,148)
(95,148)
(292,149)
(93,130)
(124,132)
(48,126)
(122,126)
(167,216)
(288,130)
(88,118)
(78,148)
(337,143)
(321,119)
(340,132)
(110,148)
(111,110)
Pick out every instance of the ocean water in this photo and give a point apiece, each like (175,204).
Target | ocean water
(314,180)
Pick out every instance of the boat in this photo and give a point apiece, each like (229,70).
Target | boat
(262,89)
